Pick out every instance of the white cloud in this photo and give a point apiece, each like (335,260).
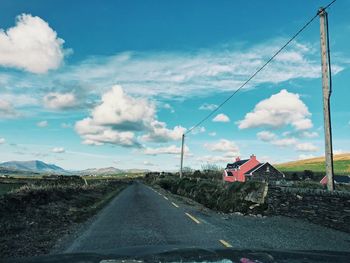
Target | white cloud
(214,159)
(212,134)
(284,142)
(306,147)
(172,149)
(94,134)
(307,134)
(31,45)
(159,132)
(116,119)
(266,136)
(306,156)
(221,118)
(2,140)
(198,130)
(55,100)
(58,150)
(66,125)
(281,109)
(168,107)
(7,110)
(229,147)
(148,163)
(42,124)
(207,106)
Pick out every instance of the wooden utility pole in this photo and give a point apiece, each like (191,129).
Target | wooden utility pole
(326,83)
(182,154)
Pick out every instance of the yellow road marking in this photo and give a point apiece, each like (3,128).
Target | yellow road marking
(165,197)
(226,244)
(193,218)
(174,204)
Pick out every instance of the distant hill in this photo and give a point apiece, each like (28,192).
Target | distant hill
(101,171)
(32,166)
(136,171)
(341,164)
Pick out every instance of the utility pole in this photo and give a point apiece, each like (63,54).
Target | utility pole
(326,87)
(182,154)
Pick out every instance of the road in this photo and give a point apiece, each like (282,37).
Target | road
(142,216)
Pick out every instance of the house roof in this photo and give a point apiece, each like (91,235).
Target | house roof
(254,168)
(236,164)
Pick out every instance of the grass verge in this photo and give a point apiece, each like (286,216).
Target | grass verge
(34,217)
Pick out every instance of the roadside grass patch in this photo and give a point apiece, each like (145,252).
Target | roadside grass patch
(34,217)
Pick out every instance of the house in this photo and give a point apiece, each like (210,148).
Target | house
(338,179)
(250,169)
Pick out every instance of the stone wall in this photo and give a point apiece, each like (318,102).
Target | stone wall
(330,209)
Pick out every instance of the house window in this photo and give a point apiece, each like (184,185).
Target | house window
(229,173)
(267,169)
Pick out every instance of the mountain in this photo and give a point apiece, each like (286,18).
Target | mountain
(341,164)
(101,171)
(33,166)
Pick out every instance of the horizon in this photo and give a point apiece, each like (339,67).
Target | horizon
(117,84)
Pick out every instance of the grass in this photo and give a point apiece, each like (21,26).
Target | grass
(341,165)
(8,187)
(38,213)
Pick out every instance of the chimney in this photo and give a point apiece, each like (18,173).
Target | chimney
(253,157)
(238,159)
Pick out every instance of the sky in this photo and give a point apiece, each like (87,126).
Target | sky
(116,83)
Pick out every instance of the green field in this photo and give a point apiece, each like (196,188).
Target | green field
(341,165)
(4,188)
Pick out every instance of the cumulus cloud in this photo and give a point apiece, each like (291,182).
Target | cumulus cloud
(285,142)
(58,150)
(119,116)
(212,134)
(42,124)
(266,136)
(228,147)
(94,134)
(172,149)
(281,109)
(2,140)
(159,133)
(55,100)
(31,45)
(7,110)
(207,106)
(221,118)
(306,147)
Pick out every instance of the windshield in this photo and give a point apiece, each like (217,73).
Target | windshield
(174,131)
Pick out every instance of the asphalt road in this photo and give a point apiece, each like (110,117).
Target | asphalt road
(142,216)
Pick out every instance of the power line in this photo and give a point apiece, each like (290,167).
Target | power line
(260,69)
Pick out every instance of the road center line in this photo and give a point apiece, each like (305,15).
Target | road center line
(226,244)
(193,218)
(174,204)
(165,197)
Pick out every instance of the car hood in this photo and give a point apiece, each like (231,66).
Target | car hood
(190,254)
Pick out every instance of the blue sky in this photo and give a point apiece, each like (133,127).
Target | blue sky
(116,83)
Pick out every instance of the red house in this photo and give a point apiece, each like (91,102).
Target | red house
(235,171)
(250,169)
